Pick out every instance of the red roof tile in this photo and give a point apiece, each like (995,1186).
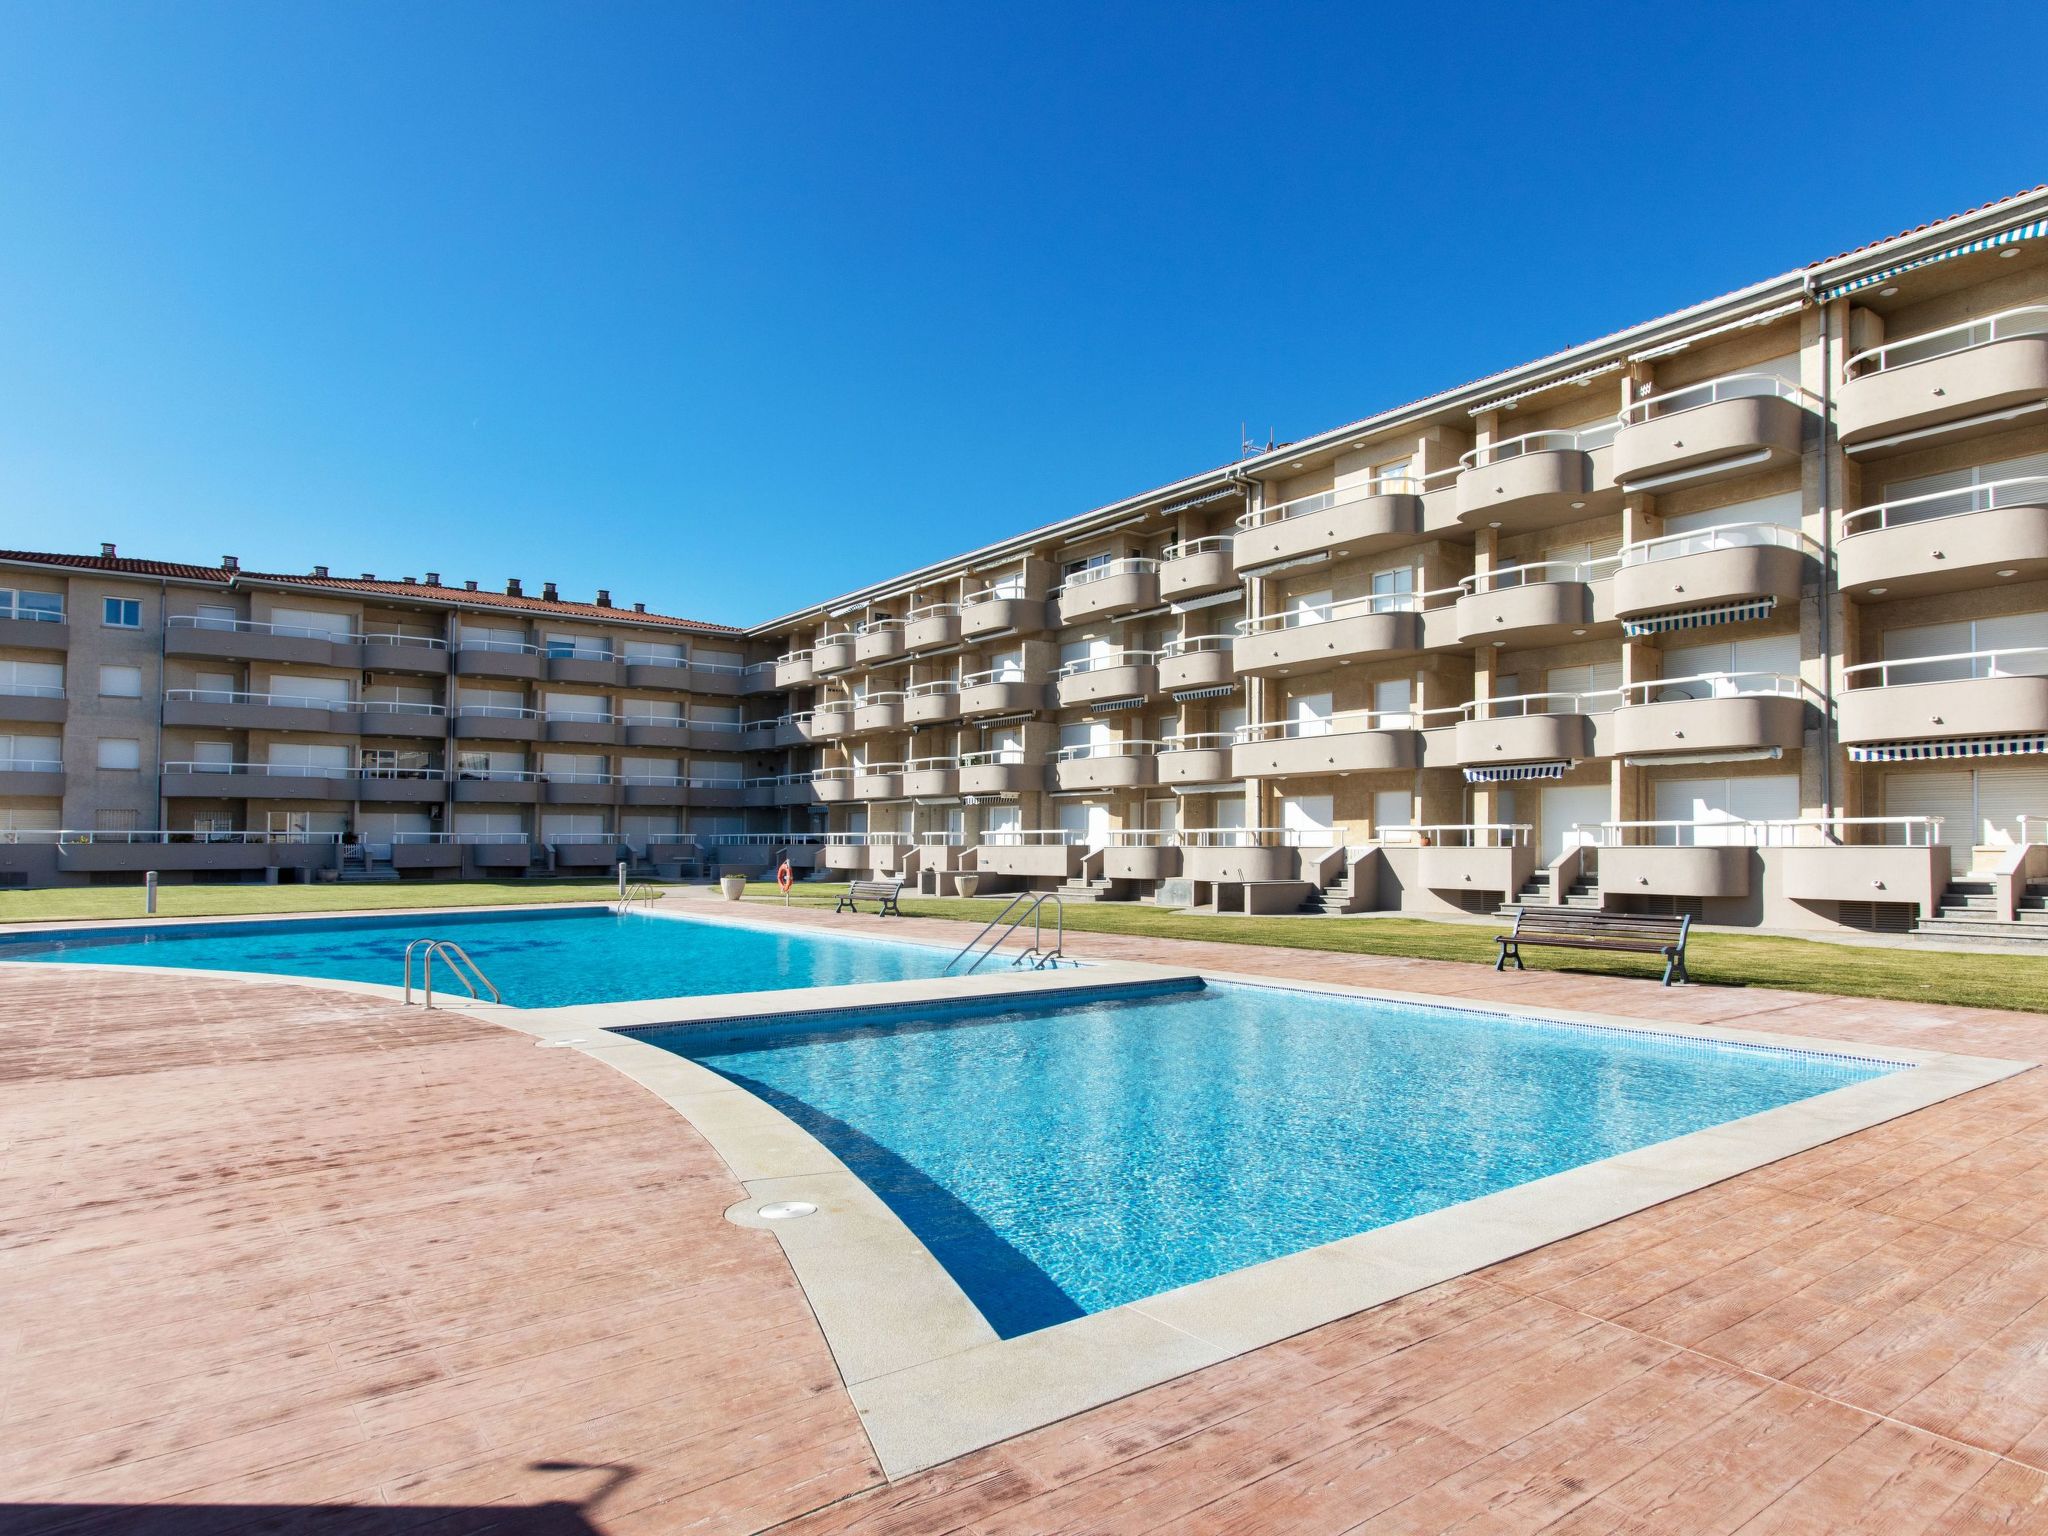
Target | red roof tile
(119,565)
(418,590)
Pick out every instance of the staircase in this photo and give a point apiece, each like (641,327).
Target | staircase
(1584,894)
(1340,896)
(1966,913)
(358,868)
(1084,888)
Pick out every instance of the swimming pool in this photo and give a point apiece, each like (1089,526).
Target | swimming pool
(1062,1160)
(536,959)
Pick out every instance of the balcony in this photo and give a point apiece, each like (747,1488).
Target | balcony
(1967,694)
(1196,568)
(1353,741)
(1001,771)
(881,642)
(31,776)
(402,786)
(1538,480)
(1111,675)
(879,712)
(878,781)
(1002,611)
(798,729)
(25,627)
(1950,541)
(584,850)
(1310,639)
(1704,861)
(984,694)
(1036,853)
(1722,713)
(1198,665)
(793,669)
(1742,424)
(32,703)
(1340,523)
(134,852)
(600,668)
(931,703)
(1736,571)
(1141,855)
(834,652)
(266,781)
(500,658)
(223,710)
(570,788)
(720,793)
(658,674)
(405,650)
(1530,728)
(1492,858)
(854,852)
(1110,590)
(496,722)
(246,640)
(590,727)
(831,786)
(1964,380)
(1226,855)
(648,730)
(1541,603)
(832,719)
(388,717)
(653,789)
(932,627)
(931,778)
(495,786)
(1108,765)
(1196,757)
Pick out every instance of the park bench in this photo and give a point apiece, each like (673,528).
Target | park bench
(1572,928)
(882,892)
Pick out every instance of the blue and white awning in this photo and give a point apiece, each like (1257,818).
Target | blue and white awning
(1516,773)
(2032,231)
(1104,706)
(1699,618)
(1925,751)
(1183,695)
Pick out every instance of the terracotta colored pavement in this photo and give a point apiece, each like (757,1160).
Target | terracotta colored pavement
(286,1259)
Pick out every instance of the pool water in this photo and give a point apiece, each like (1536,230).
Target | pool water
(535,959)
(1060,1160)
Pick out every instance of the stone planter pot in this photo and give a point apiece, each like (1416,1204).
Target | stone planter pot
(734,886)
(966,884)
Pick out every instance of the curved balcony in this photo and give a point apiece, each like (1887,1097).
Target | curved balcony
(1001,611)
(1196,568)
(832,719)
(1198,663)
(1740,424)
(834,652)
(797,729)
(931,703)
(1218,855)
(1002,771)
(831,786)
(1949,541)
(1109,590)
(1309,639)
(1352,521)
(986,693)
(1196,757)
(878,781)
(794,669)
(1538,480)
(1031,853)
(1724,712)
(1970,693)
(931,628)
(881,642)
(931,778)
(1112,675)
(1963,380)
(1140,855)
(879,712)
(1735,565)
(1108,765)
(1353,741)
(1530,728)
(1541,603)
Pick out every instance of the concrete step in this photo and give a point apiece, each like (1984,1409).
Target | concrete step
(1983,928)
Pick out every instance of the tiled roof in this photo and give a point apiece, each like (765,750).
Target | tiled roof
(418,590)
(1871,245)
(119,565)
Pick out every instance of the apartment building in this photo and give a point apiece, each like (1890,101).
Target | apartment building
(1742,611)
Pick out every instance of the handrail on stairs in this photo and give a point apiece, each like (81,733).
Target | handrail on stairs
(457,959)
(640,893)
(1038,957)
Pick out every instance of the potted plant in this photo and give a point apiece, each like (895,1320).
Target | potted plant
(966,883)
(734,886)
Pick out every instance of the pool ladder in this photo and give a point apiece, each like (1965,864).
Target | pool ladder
(1037,957)
(640,895)
(456,958)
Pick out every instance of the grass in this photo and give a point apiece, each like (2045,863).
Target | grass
(95,902)
(1904,973)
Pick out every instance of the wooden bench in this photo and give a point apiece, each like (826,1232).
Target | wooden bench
(1571,928)
(882,892)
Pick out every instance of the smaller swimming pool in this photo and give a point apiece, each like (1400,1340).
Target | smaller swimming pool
(536,959)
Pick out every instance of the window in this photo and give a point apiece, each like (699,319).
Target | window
(214,616)
(122,752)
(38,754)
(32,679)
(15,604)
(121,613)
(120,682)
(115,821)
(310,623)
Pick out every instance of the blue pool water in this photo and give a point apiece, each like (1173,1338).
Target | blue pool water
(536,959)
(1061,1160)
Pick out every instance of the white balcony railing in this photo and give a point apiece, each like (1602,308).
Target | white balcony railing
(994,757)
(1350,608)
(1198,741)
(1734,386)
(1323,501)
(1457,834)
(2026,320)
(342,636)
(498,648)
(1010,674)
(582,717)
(189,835)
(869,839)
(1343,722)
(32,690)
(1121,748)
(1106,661)
(495,712)
(1259,837)
(1773,832)
(30,765)
(1515,706)
(1721,685)
(1536,573)
(2018,491)
(1145,837)
(19,606)
(1196,645)
(932,611)
(1673,546)
(937,687)
(790,658)
(274,700)
(270,770)
(1188,549)
(1957,667)
(1033,837)
(930,764)
(1130,565)
(1585,439)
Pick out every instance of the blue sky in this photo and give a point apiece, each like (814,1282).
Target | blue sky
(730,308)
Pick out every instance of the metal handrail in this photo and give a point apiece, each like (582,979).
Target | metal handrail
(2016,491)
(1106,661)
(1349,608)
(1745,832)
(1126,565)
(640,893)
(1509,577)
(456,958)
(1187,549)
(2026,320)
(1585,439)
(1037,956)
(1980,664)
(1673,546)
(1323,501)
(1730,386)
(1191,645)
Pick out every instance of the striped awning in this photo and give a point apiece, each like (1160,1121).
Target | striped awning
(1699,618)
(1186,695)
(1103,706)
(1515,773)
(2032,231)
(1924,751)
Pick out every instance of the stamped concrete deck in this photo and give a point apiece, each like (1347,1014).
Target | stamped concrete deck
(287,1259)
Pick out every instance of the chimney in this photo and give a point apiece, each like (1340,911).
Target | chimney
(320,571)
(512,587)
(433,578)
(410,581)
(106,551)
(639,607)
(369,575)
(604,597)
(469,586)
(547,591)
(230,563)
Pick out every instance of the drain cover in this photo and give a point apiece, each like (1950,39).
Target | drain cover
(787,1210)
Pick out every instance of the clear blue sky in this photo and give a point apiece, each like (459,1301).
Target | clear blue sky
(733,307)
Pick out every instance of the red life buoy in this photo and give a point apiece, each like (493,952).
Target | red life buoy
(785,876)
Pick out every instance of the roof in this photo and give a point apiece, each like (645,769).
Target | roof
(120,565)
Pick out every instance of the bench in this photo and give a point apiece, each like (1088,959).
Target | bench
(1570,928)
(882,892)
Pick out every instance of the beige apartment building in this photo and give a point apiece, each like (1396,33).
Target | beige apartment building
(1741,612)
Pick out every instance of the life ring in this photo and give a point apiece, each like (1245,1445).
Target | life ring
(785,876)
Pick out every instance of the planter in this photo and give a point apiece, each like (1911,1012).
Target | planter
(734,886)
(966,884)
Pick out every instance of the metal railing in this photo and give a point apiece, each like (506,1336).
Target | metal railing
(259,627)
(495,712)
(993,757)
(497,647)
(937,686)
(1032,837)
(1343,722)
(1733,386)
(2018,491)
(1037,957)
(1535,573)
(15,608)
(581,717)
(456,959)
(1121,747)
(1145,837)
(932,611)
(1009,590)
(1759,832)
(994,677)
(1106,661)
(1673,546)
(30,765)
(1196,645)
(638,894)
(2026,320)
(274,700)
(273,770)
(1957,667)
(1128,565)
(1457,834)
(1188,549)
(1350,608)
(1722,685)
(789,658)
(1198,741)
(175,836)
(1324,501)
(929,764)
(869,839)
(1259,837)
(1585,439)
(32,690)
(1515,706)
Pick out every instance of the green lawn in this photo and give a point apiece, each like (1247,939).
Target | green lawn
(73,903)
(1722,959)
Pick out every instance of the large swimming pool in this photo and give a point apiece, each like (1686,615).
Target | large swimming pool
(536,959)
(1060,1160)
